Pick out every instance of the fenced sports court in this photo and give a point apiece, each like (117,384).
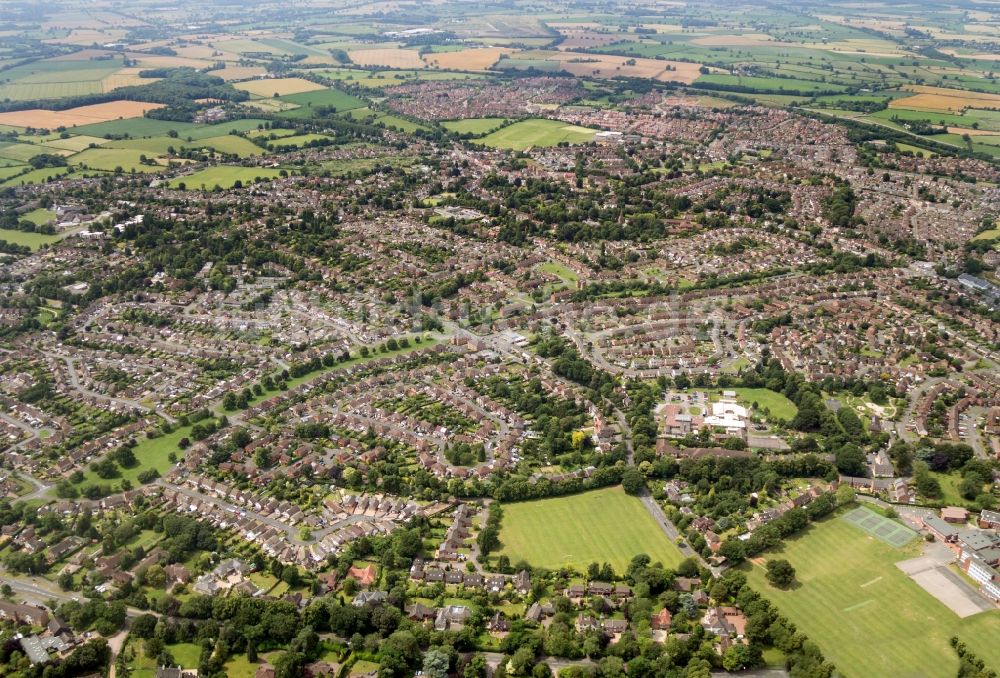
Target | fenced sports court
(880,527)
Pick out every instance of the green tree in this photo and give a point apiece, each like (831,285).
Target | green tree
(780,573)
(435,663)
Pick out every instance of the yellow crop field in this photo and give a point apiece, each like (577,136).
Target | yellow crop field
(475,59)
(608,66)
(742,40)
(574,38)
(927,98)
(391,57)
(280,86)
(126,77)
(234,73)
(158,61)
(81,115)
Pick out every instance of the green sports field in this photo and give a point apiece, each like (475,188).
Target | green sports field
(32,240)
(604,526)
(867,616)
(537,132)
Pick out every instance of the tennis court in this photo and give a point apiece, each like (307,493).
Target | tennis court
(880,527)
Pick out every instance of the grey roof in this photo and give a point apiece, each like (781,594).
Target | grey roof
(32,646)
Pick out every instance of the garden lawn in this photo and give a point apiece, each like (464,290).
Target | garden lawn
(603,526)
(238,666)
(537,132)
(869,618)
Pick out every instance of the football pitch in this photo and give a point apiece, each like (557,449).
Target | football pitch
(867,615)
(603,526)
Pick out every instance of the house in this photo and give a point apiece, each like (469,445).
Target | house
(661,620)
(206,585)
(264,671)
(600,588)
(327,581)
(614,627)
(364,575)
(686,584)
(34,650)
(175,672)
(451,616)
(522,582)
(369,598)
(955,514)
(498,623)
(420,612)
(537,612)
(24,614)
(177,573)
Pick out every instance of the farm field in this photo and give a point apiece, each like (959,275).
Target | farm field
(223,175)
(868,617)
(389,57)
(229,144)
(56,78)
(297,141)
(81,115)
(269,87)
(377,79)
(110,159)
(537,132)
(605,65)
(943,99)
(604,526)
(387,119)
(35,176)
(136,127)
(474,126)
(334,98)
(767,84)
(474,59)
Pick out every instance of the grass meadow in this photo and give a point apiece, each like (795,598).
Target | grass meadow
(603,526)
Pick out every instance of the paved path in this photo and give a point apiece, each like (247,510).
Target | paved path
(652,506)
